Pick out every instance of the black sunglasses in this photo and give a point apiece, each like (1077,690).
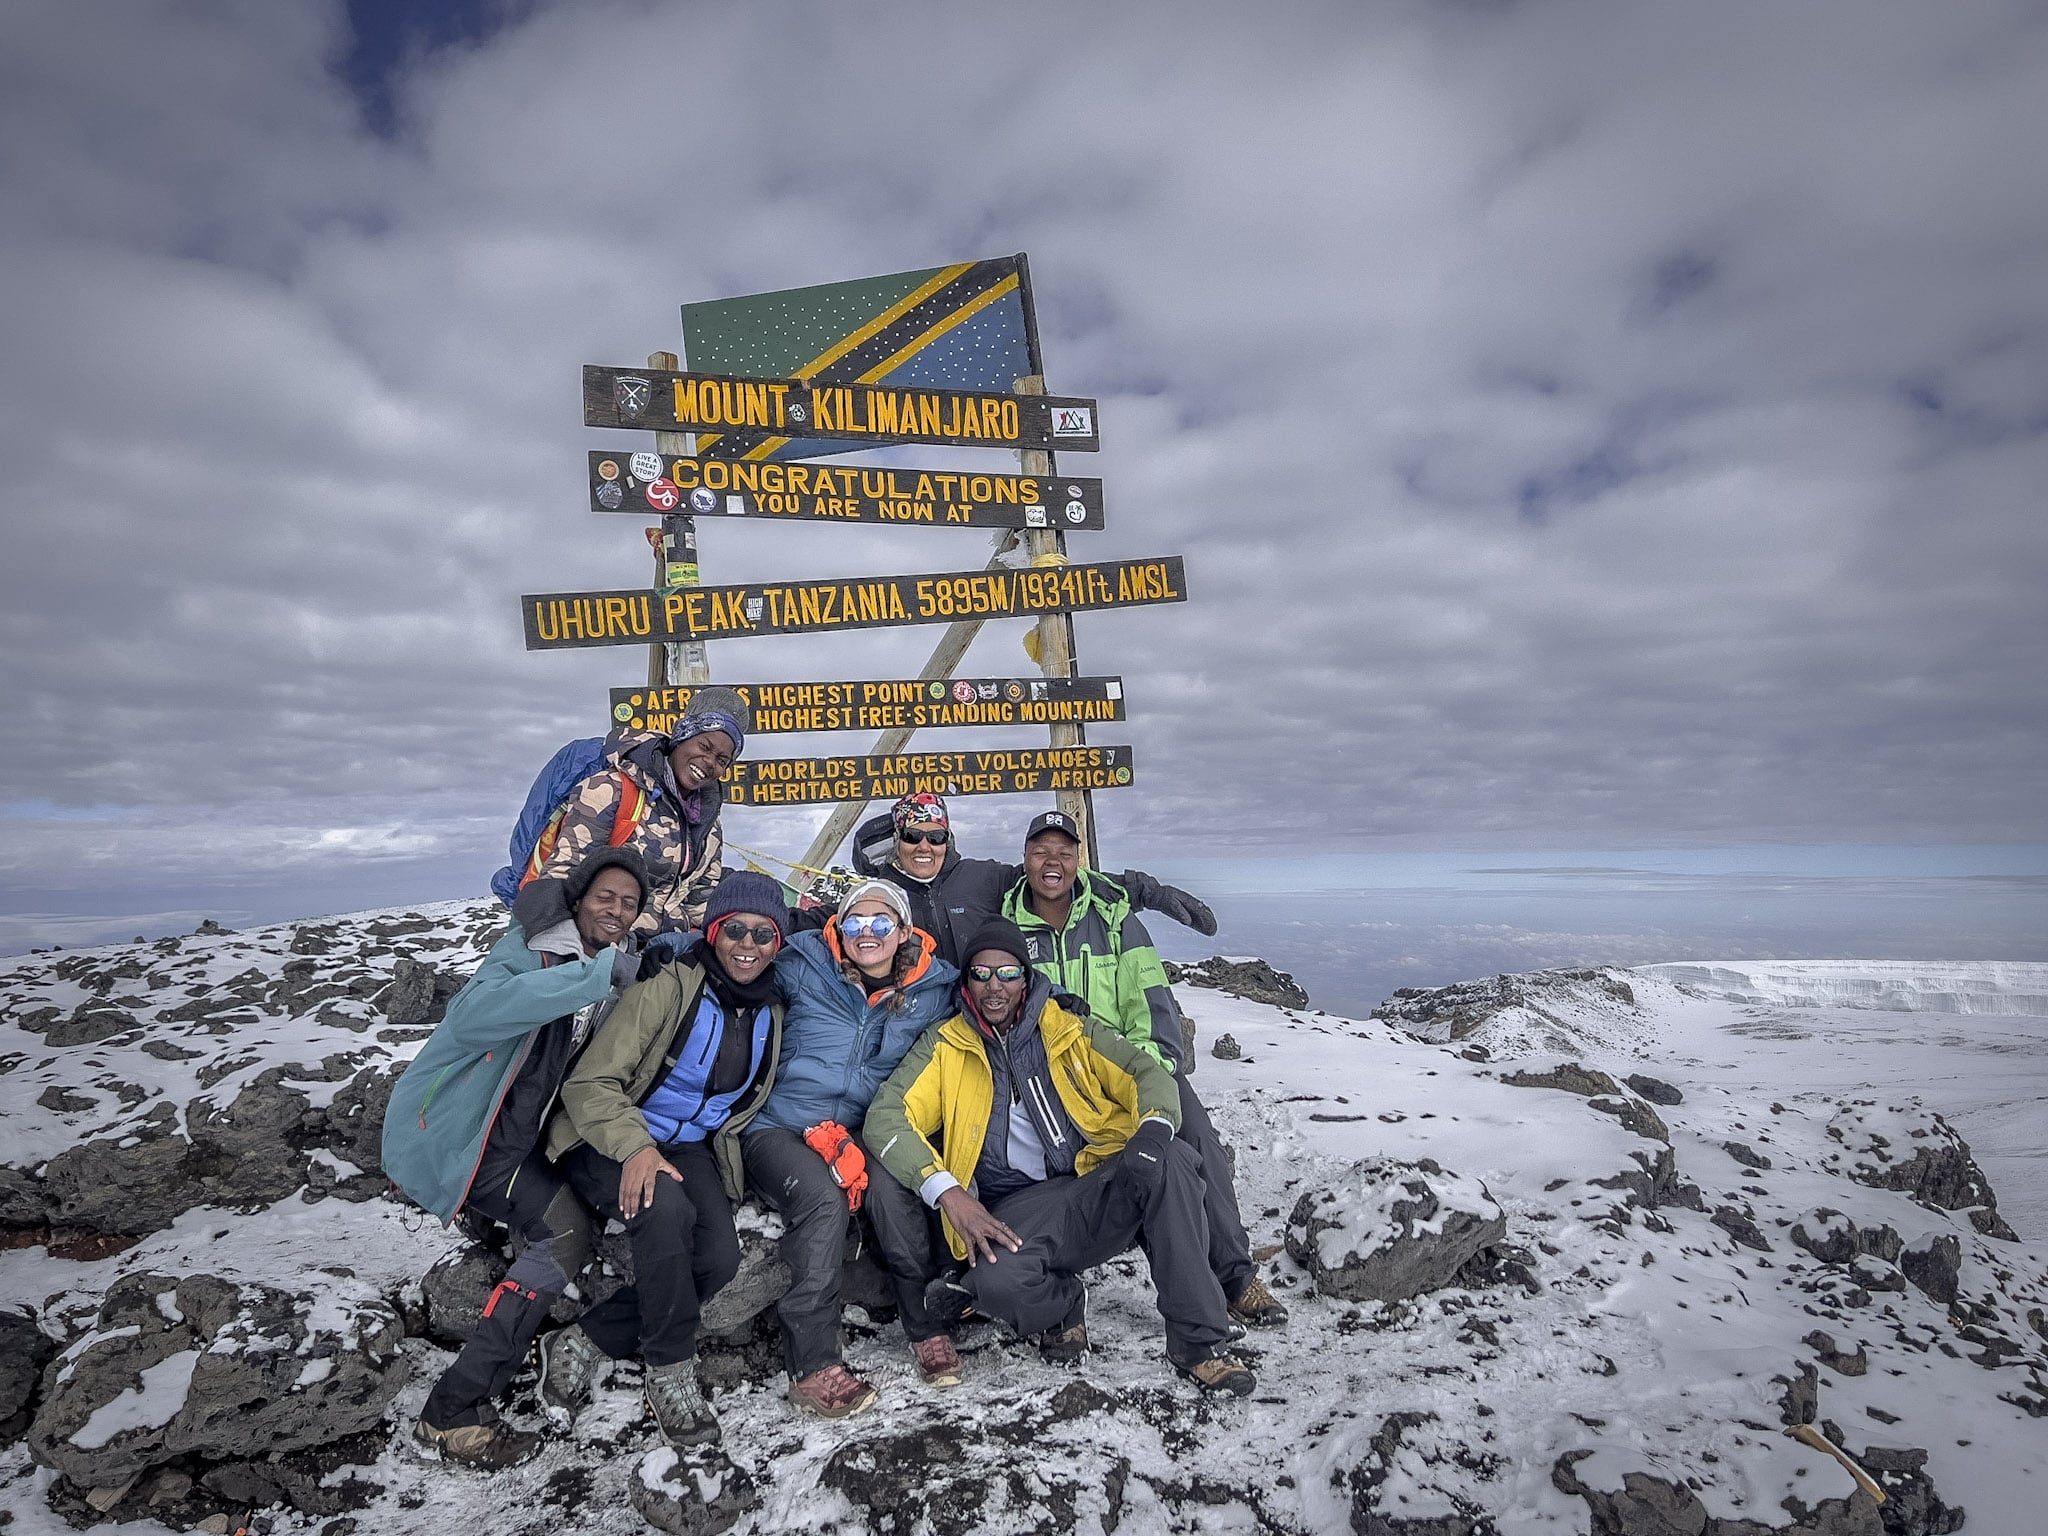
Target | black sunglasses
(938,836)
(734,932)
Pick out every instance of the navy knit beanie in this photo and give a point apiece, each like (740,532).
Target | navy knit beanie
(748,890)
(998,933)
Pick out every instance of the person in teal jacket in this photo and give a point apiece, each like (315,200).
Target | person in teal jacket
(859,995)
(464,1129)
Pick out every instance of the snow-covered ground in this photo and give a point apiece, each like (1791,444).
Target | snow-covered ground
(1659,1339)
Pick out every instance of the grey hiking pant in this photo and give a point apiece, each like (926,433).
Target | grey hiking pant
(1070,1224)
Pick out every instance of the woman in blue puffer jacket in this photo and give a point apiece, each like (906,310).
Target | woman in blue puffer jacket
(858,996)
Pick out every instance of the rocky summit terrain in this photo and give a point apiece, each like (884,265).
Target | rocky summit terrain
(1564,1253)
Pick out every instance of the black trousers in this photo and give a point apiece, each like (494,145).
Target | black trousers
(685,1250)
(1070,1224)
(557,1230)
(816,1223)
(1230,1250)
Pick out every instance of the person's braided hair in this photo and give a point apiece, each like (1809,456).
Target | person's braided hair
(907,955)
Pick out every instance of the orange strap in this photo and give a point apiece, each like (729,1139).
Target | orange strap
(632,811)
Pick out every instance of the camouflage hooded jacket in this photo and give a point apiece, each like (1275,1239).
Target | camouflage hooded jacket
(677,838)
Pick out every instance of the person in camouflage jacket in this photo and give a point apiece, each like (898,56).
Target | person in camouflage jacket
(671,782)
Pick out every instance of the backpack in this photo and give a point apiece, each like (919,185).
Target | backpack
(540,818)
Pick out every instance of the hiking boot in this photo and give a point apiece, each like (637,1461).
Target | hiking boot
(1258,1306)
(486,1447)
(1220,1373)
(938,1362)
(678,1405)
(948,1301)
(831,1392)
(1068,1343)
(568,1366)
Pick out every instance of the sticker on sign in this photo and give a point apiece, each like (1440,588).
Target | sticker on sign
(1073,421)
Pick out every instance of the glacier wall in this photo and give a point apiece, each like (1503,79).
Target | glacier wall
(1902,986)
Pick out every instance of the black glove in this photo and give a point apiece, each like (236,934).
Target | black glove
(1144,1159)
(659,950)
(1171,901)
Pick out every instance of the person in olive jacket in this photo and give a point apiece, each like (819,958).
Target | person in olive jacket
(647,1136)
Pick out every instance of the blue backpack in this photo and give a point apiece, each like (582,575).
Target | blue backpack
(540,819)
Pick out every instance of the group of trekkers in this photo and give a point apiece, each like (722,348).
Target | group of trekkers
(979,1062)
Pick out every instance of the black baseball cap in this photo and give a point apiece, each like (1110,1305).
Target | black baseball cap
(1053,821)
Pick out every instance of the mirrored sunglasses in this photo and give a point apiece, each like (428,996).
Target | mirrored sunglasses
(880,924)
(733,931)
(995,973)
(937,836)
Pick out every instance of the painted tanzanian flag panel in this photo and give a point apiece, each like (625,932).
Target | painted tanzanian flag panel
(957,327)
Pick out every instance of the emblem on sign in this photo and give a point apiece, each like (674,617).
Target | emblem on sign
(1014,692)
(623,713)
(963,693)
(797,414)
(1073,421)
(938,690)
(630,396)
(662,495)
(609,496)
(1123,775)
(987,691)
(646,466)
(1034,517)
(703,499)
(1076,511)
(607,470)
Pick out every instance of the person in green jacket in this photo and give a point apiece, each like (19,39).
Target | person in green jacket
(1045,1141)
(648,1135)
(463,1131)
(1084,936)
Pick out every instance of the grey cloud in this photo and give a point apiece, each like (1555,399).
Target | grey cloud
(1586,425)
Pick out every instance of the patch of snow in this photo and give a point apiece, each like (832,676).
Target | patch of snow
(1984,986)
(152,1402)
(167,1305)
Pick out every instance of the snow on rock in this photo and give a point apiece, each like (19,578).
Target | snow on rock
(1699,1248)
(1985,986)
(1906,1146)
(229,1379)
(695,1491)
(1388,1230)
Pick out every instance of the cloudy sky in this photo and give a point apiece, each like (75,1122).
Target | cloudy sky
(1587,425)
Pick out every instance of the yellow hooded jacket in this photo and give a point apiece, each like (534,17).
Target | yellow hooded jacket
(944,1087)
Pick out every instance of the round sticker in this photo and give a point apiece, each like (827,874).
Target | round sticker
(1014,692)
(609,495)
(703,499)
(607,469)
(1076,511)
(798,414)
(1074,491)
(662,495)
(963,693)
(1123,775)
(938,690)
(622,713)
(646,466)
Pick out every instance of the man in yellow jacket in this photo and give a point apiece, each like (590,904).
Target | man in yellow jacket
(1045,1142)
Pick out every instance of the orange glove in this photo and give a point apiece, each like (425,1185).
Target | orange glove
(849,1166)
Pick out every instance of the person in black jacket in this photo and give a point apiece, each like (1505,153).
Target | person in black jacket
(911,846)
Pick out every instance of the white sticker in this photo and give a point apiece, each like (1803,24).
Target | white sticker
(753,607)
(1034,517)
(1077,511)
(1112,690)
(735,506)
(1073,421)
(646,466)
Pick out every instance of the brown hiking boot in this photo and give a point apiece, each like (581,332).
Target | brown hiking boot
(831,1392)
(486,1447)
(1220,1373)
(1068,1343)
(1258,1307)
(938,1362)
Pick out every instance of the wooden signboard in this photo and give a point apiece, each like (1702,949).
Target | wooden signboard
(641,483)
(656,400)
(570,620)
(823,780)
(901,704)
